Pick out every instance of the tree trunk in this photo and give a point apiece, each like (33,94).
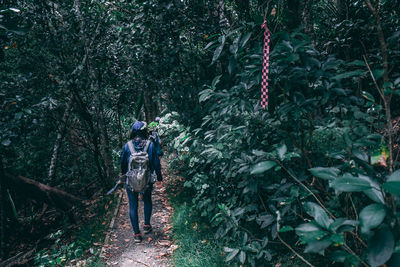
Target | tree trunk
(34,190)
(147,105)
(57,144)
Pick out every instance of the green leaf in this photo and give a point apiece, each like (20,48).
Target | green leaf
(262,167)
(392,184)
(12,205)
(245,39)
(231,254)
(325,173)
(215,81)
(338,239)
(357,63)
(217,53)
(380,247)
(349,74)
(282,151)
(205,95)
(397,247)
(374,192)
(320,216)
(242,257)
(309,232)
(378,73)
(371,217)
(265,220)
(349,183)
(208,45)
(286,228)
(368,96)
(318,246)
(342,224)
(18,115)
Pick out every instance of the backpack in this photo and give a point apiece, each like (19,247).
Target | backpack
(138,175)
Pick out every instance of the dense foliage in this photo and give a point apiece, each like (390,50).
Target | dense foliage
(316,173)
(318,162)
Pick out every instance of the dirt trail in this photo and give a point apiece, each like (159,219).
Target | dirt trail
(155,248)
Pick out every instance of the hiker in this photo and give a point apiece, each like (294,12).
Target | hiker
(139,142)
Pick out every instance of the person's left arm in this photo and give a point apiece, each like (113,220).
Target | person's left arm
(155,161)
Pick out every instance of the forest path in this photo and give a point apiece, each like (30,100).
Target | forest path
(121,250)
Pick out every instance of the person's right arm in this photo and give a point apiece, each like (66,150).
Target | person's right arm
(124,159)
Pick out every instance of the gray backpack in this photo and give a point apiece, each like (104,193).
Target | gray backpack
(138,175)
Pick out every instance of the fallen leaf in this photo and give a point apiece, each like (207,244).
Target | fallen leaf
(127,240)
(149,239)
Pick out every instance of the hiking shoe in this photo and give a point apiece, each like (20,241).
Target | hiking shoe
(137,238)
(147,228)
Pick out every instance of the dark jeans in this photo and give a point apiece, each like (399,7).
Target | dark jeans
(133,207)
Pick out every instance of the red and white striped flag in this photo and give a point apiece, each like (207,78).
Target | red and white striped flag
(265,69)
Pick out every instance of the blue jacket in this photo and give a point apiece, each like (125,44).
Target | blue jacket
(154,160)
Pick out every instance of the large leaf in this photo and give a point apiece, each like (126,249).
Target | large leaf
(392,184)
(318,246)
(232,253)
(380,247)
(242,256)
(218,51)
(245,39)
(320,216)
(349,183)
(262,167)
(265,220)
(325,173)
(309,232)
(371,217)
(374,192)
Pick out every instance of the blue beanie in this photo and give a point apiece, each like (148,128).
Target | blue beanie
(137,126)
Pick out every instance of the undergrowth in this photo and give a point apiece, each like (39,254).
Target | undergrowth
(196,244)
(80,246)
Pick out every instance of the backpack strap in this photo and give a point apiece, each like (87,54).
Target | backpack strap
(147,145)
(130,146)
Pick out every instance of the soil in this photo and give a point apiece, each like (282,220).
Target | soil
(156,246)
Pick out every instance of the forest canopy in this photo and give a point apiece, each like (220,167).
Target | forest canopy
(315,173)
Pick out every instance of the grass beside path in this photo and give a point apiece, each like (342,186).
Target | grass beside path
(196,244)
(197,247)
